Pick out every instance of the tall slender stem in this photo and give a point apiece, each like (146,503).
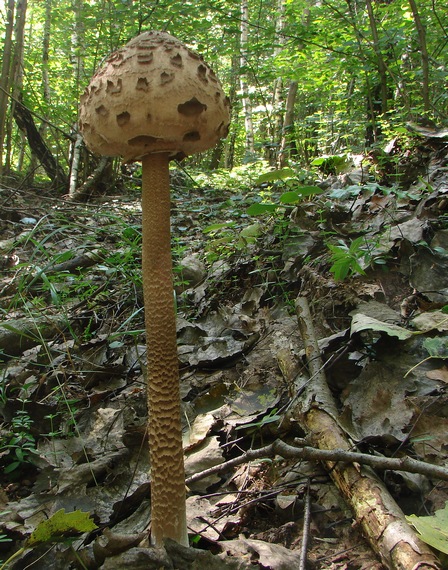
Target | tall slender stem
(165,432)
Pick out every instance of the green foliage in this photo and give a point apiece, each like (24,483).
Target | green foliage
(240,179)
(289,198)
(331,164)
(352,259)
(269,418)
(60,527)
(437,346)
(433,529)
(346,258)
(329,48)
(277,180)
(275,175)
(17,443)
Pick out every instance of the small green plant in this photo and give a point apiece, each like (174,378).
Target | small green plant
(4,537)
(348,260)
(437,347)
(240,179)
(17,444)
(290,198)
(269,418)
(334,164)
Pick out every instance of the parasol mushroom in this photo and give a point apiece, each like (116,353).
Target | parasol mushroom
(154,100)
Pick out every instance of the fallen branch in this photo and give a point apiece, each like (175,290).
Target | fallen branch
(306,529)
(305,452)
(18,335)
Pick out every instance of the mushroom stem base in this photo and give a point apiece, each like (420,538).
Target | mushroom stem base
(168,511)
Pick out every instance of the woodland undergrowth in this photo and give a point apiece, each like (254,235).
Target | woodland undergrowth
(365,244)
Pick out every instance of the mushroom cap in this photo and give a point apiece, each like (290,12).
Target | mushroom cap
(153,95)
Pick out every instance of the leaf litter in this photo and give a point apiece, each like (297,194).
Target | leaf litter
(72,371)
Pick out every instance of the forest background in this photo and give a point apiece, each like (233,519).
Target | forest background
(313,85)
(306,78)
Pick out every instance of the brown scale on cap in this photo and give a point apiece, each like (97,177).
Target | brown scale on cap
(184,110)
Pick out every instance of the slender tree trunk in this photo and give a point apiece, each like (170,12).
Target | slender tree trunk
(374,105)
(5,77)
(77,61)
(77,40)
(278,91)
(46,92)
(382,70)
(287,145)
(25,122)
(421,32)
(247,106)
(16,73)
(74,165)
(231,140)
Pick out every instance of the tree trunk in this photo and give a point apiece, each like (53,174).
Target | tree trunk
(25,122)
(247,106)
(74,167)
(77,44)
(46,92)
(231,140)
(5,78)
(421,32)
(278,91)
(287,145)
(16,73)
(46,58)
(379,57)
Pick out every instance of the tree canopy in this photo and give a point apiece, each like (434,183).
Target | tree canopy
(305,78)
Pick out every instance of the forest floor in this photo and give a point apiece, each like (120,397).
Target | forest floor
(371,261)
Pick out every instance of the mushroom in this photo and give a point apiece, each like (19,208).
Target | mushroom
(154,100)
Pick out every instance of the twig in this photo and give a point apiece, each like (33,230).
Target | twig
(306,528)
(309,453)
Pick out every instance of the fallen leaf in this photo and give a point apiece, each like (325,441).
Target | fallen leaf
(439,374)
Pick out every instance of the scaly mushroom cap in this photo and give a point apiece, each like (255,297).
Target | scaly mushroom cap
(153,95)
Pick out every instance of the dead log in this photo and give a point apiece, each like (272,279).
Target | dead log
(18,335)
(25,122)
(87,188)
(381,519)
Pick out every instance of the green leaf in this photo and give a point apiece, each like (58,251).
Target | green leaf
(290,197)
(258,209)
(341,267)
(132,232)
(309,190)
(216,227)
(274,175)
(11,467)
(251,231)
(437,346)
(59,526)
(433,530)
(295,195)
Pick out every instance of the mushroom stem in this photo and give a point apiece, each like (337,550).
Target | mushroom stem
(168,512)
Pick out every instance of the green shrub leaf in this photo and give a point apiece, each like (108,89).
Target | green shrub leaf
(274,175)
(60,526)
(433,530)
